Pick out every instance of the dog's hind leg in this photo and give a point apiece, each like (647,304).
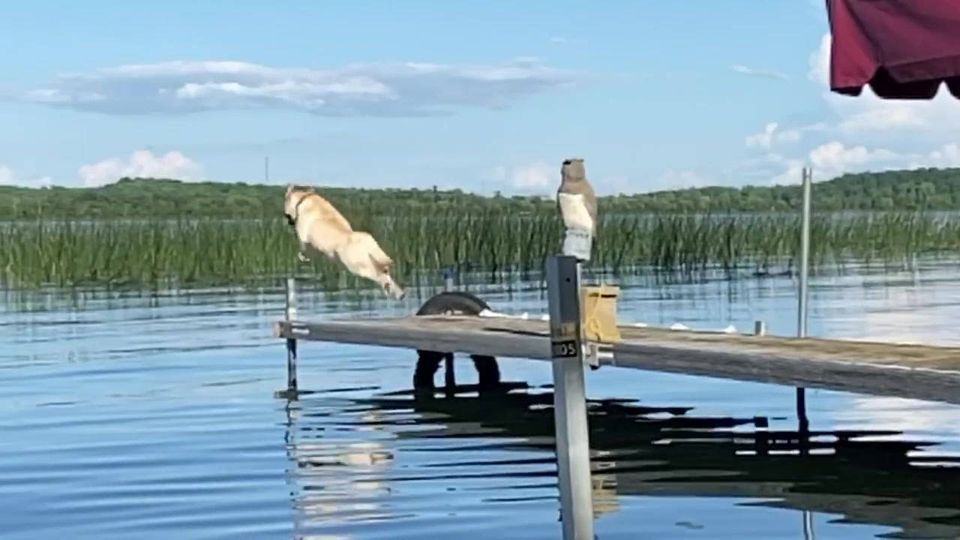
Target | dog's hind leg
(363,258)
(381,274)
(390,287)
(302,253)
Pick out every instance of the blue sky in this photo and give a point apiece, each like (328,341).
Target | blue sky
(483,96)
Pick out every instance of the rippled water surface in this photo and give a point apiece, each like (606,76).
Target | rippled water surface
(139,415)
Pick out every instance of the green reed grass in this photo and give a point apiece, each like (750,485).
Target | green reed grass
(188,252)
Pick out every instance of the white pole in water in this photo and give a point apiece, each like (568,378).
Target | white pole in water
(804,255)
(569,398)
(291,314)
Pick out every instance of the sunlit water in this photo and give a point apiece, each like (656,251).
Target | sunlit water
(134,415)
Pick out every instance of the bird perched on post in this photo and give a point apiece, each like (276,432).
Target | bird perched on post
(577,202)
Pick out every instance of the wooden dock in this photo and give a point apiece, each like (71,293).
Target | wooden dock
(908,371)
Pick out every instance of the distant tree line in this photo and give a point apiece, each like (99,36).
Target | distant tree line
(923,189)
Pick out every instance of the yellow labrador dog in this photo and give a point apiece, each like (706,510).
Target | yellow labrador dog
(319,225)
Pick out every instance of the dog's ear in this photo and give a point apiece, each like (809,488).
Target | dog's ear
(289,189)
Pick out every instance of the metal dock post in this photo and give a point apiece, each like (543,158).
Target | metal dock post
(291,315)
(569,398)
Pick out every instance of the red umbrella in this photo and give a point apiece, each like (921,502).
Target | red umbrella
(903,49)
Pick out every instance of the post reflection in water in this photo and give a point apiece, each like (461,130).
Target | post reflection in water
(342,459)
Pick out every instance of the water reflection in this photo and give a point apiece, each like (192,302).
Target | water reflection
(335,480)
(150,414)
(862,475)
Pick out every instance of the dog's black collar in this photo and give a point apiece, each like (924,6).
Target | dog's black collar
(292,220)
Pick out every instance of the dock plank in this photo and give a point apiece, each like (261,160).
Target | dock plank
(900,370)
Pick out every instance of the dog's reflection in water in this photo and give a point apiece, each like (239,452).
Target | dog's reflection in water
(338,479)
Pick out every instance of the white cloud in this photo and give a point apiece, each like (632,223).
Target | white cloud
(886,117)
(407,89)
(558,39)
(540,178)
(6,175)
(753,72)
(534,176)
(789,135)
(819,71)
(866,134)
(143,164)
(792,172)
(764,139)
(773,135)
(8,178)
(528,178)
(834,158)
(867,114)
(945,157)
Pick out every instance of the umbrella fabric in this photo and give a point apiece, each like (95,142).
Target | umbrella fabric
(904,49)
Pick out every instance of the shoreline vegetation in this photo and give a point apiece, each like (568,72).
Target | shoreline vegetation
(901,191)
(147,232)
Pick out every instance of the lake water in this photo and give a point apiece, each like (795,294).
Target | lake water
(138,415)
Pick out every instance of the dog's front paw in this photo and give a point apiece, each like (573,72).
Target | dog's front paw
(302,258)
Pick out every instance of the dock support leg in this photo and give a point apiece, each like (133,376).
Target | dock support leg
(569,399)
(448,279)
(291,314)
(803,423)
(449,376)
(759,328)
